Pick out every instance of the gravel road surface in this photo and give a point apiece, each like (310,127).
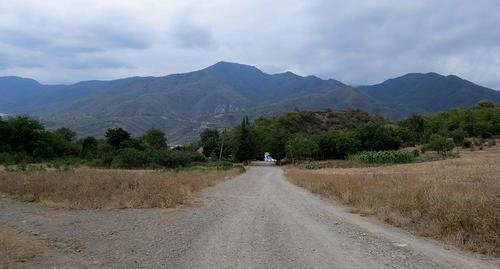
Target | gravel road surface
(257,220)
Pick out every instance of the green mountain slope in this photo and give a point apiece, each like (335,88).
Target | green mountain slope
(219,96)
(428,93)
(183,104)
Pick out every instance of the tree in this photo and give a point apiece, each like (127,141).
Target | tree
(275,142)
(26,134)
(244,146)
(116,136)
(155,138)
(337,145)
(302,148)
(211,142)
(105,154)
(440,144)
(89,147)
(486,104)
(129,158)
(458,136)
(65,133)
(5,134)
(416,126)
(375,137)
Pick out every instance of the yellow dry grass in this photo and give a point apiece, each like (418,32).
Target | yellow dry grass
(15,248)
(455,200)
(109,189)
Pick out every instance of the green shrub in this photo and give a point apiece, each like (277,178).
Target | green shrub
(458,136)
(105,155)
(129,158)
(376,137)
(302,148)
(337,145)
(222,164)
(467,144)
(440,144)
(17,158)
(381,157)
(4,158)
(198,157)
(174,159)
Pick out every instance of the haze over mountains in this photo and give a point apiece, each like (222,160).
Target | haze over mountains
(219,95)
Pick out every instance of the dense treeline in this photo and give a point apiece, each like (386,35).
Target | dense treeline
(25,140)
(335,135)
(294,135)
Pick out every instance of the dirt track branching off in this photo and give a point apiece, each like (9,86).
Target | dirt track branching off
(456,201)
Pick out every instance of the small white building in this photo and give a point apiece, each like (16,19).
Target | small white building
(268,157)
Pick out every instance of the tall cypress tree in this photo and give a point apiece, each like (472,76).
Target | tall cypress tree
(245,147)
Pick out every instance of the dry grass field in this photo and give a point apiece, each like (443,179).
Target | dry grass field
(15,248)
(86,188)
(456,200)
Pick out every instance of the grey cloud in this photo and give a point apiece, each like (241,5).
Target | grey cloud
(367,44)
(96,64)
(357,42)
(67,37)
(188,35)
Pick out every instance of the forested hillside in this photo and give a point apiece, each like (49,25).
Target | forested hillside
(428,93)
(219,96)
(336,135)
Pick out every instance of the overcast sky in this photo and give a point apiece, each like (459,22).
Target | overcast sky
(356,42)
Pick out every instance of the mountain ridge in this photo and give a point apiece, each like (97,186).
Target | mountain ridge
(216,96)
(425,93)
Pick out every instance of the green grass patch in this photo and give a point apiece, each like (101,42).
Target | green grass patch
(383,157)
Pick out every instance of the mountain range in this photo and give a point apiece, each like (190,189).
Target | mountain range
(220,95)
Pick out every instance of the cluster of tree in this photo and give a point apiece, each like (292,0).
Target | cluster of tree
(482,120)
(24,139)
(335,135)
(294,135)
(302,134)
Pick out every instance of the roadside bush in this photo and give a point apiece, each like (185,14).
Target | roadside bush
(382,157)
(174,159)
(66,163)
(440,144)
(105,155)
(458,136)
(467,144)
(223,164)
(17,158)
(129,158)
(89,147)
(4,158)
(198,157)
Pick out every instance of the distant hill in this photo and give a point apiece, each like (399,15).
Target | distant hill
(219,96)
(14,91)
(183,104)
(428,93)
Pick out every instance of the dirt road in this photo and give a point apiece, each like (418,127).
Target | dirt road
(257,220)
